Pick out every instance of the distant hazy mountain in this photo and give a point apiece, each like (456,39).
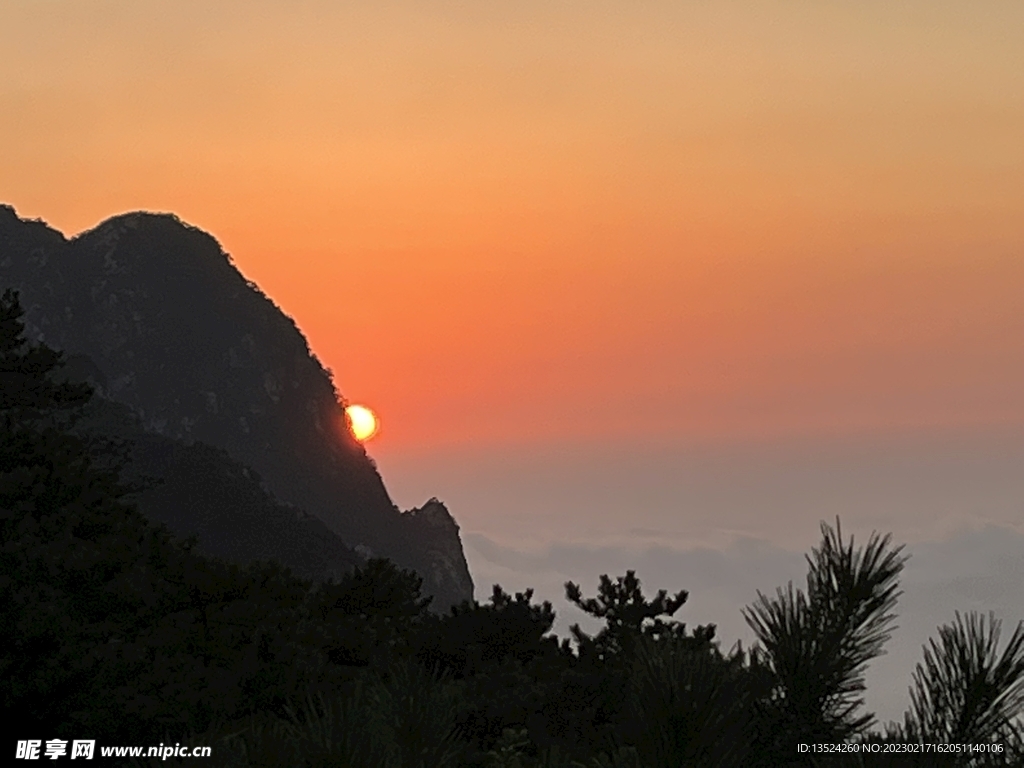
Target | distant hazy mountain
(156,316)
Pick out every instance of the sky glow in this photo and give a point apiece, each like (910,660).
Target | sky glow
(714,270)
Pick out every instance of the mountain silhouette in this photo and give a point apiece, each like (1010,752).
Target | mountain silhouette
(221,400)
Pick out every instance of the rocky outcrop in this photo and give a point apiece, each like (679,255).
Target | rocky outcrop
(434,525)
(157,316)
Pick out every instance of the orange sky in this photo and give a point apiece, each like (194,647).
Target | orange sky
(562,247)
(508,223)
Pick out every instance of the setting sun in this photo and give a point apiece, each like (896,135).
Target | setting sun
(362,421)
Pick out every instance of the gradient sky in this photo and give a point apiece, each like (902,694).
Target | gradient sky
(689,273)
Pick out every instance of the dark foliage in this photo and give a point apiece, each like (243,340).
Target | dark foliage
(112,627)
(966,691)
(691,705)
(817,643)
(627,615)
(27,387)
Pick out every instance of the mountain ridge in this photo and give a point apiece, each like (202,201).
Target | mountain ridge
(161,320)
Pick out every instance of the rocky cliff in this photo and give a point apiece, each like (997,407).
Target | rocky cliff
(161,321)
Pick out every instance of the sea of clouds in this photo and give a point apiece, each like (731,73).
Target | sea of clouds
(723,522)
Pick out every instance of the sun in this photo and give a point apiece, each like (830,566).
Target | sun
(362,421)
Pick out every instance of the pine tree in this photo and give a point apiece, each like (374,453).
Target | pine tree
(27,383)
(816,644)
(68,540)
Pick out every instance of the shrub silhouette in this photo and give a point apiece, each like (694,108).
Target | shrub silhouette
(111,626)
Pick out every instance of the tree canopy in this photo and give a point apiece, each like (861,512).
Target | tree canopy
(109,626)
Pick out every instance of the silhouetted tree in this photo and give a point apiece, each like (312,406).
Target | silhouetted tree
(817,643)
(689,704)
(107,623)
(627,614)
(966,692)
(606,670)
(73,554)
(28,387)
(371,613)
